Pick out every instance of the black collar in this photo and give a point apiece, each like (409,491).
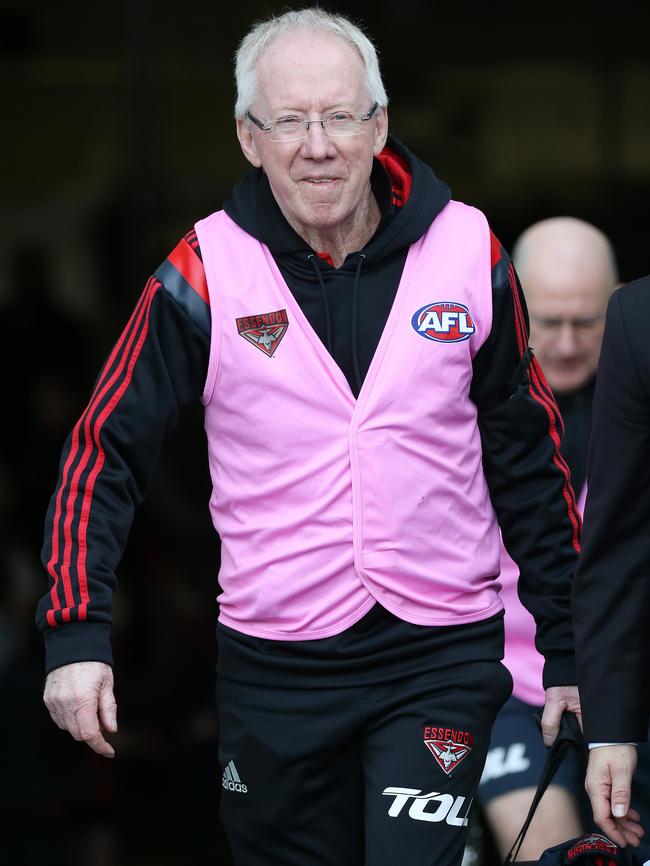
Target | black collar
(280,237)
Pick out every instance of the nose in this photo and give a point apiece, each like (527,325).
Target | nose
(566,344)
(317,144)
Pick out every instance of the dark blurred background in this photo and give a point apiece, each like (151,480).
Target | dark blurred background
(117,136)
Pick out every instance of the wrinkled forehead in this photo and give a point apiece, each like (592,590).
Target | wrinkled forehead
(309,68)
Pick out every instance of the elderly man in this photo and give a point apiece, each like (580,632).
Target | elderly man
(568,272)
(359,341)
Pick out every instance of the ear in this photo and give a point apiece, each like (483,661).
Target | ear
(247,142)
(381,130)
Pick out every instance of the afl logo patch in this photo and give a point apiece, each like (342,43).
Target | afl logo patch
(444,322)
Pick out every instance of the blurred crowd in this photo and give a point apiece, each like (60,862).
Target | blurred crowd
(62,804)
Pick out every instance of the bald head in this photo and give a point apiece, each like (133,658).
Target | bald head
(567,269)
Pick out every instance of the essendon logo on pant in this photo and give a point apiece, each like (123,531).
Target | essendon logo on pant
(265,330)
(448,746)
(589,844)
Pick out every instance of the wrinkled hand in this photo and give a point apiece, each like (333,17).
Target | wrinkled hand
(559,699)
(608,783)
(80,699)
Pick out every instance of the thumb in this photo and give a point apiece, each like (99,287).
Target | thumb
(107,708)
(620,800)
(550,723)
(620,794)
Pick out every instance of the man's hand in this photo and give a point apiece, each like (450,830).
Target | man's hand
(559,699)
(80,699)
(608,783)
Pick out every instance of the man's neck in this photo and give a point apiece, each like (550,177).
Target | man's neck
(343,239)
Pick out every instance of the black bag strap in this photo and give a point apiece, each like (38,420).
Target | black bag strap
(569,737)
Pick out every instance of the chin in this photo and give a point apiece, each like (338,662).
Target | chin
(322,217)
(565,385)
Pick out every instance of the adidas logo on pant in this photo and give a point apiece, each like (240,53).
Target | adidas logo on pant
(231,781)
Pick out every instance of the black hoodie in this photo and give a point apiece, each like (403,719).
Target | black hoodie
(160,364)
(330,297)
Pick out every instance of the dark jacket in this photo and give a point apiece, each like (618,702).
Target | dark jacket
(611,596)
(159,364)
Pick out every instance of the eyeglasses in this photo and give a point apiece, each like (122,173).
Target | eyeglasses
(583,325)
(339,123)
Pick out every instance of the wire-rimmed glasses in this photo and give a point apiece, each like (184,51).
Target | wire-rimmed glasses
(336,124)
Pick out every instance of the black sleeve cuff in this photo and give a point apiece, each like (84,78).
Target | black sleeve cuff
(559,671)
(78,642)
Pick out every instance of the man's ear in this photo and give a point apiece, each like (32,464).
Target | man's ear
(381,131)
(247,142)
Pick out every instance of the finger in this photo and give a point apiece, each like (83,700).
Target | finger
(71,725)
(90,733)
(550,724)
(624,830)
(631,837)
(632,829)
(611,829)
(601,808)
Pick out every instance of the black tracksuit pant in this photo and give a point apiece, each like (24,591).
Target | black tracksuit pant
(364,749)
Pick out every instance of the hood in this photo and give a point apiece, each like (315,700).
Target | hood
(409,194)
(348,306)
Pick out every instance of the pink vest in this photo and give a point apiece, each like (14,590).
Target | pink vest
(521,657)
(326,504)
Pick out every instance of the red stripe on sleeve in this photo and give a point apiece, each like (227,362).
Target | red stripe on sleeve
(520,321)
(99,395)
(186,261)
(537,378)
(90,483)
(541,393)
(84,420)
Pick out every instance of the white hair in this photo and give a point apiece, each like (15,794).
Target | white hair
(258,39)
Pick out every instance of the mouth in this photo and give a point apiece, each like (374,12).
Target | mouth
(320,180)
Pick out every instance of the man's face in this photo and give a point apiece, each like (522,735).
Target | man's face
(320,183)
(567,317)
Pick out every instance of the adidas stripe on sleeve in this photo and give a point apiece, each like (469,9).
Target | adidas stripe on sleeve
(157,366)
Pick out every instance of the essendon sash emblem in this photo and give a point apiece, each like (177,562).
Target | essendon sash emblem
(265,330)
(589,844)
(448,746)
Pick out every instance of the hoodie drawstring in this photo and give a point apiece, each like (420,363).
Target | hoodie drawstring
(328,321)
(355,324)
(355,306)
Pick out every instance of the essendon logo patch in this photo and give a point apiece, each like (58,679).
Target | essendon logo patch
(448,745)
(444,322)
(587,844)
(265,330)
